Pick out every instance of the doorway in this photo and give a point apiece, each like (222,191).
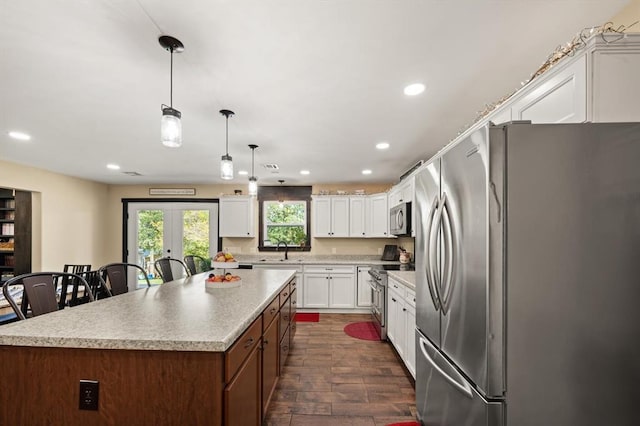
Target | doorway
(156,229)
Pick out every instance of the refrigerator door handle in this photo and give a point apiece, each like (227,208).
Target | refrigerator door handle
(450,257)
(463,387)
(437,278)
(431,283)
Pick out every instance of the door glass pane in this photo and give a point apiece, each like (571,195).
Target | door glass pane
(150,247)
(195,233)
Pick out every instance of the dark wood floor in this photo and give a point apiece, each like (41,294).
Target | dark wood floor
(333,379)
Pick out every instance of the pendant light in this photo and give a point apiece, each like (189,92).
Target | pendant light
(170,125)
(253,180)
(226,164)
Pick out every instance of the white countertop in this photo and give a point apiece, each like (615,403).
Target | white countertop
(407,278)
(297,258)
(181,315)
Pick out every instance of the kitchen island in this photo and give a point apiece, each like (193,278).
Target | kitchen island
(177,353)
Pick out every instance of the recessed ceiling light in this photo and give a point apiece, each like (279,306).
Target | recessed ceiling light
(414,89)
(113,167)
(382,145)
(19,136)
(243,172)
(366,172)
(304,172)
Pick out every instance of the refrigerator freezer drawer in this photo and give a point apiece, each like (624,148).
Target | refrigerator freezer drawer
(443,395)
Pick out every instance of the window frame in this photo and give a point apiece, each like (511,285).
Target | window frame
(283,193)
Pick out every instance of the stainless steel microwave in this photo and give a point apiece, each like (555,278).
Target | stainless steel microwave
(400,220)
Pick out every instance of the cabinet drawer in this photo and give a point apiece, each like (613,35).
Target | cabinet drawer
(410,297)
(284,350)
(293,284)
(330,269)
(270,312)
(399,288)
(236,355)
(285,317)
(284,294)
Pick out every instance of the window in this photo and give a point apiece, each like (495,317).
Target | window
(284,217)
(284,221)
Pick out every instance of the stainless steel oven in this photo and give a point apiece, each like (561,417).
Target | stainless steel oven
(378,284)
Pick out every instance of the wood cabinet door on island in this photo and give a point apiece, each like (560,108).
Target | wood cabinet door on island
(242,402)
(270,364)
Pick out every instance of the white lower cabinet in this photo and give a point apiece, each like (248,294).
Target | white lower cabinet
(401,322)
(365,294)
(327,286)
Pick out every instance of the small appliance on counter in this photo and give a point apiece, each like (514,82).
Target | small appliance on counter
(390,252)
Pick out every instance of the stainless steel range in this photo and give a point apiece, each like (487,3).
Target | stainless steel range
(378,284)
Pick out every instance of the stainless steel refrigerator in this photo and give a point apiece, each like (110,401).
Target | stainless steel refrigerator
(528,277)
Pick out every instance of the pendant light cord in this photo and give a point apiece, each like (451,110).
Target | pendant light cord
(171,81)
(227,143)
(253,151)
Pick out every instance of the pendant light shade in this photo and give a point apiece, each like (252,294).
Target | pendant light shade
(171,127)
(170,124)
(253,180)
(226,163)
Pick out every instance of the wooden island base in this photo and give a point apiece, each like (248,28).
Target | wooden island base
(174,385)
(41,386)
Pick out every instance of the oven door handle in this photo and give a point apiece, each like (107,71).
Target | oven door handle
(374,286)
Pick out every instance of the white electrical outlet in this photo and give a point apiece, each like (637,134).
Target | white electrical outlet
(379,251)
(333,250)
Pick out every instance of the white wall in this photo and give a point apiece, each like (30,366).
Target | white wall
(69,216)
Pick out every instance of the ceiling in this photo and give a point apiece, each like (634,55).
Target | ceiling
(314,83)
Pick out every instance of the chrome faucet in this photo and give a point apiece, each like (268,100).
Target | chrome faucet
(286,249)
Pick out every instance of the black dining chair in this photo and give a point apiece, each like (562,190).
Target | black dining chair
(38,292)
(197,264)
(66,281)
(98,290)
(163,268)
(113,277)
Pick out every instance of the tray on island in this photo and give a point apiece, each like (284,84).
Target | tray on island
(224,265)
(222,284)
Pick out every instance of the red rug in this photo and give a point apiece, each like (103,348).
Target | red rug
(307,316)
(404,424)
(364,330)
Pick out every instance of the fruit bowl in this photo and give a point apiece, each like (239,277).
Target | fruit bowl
(221,281)
(224,260)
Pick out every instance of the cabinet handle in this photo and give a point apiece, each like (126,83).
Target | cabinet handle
(393,299)
(273,311)
(404,309)
(293,302)
(285,294)
(249,342)
(266,342)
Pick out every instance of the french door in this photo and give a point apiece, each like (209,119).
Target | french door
(169,229)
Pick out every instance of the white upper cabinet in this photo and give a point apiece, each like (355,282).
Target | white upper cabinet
(558,98)
(597,84)
(402,192)
(236,216)
(357,216)
(377,218)
(330,216)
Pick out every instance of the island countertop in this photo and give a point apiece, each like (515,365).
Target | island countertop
(181,315)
